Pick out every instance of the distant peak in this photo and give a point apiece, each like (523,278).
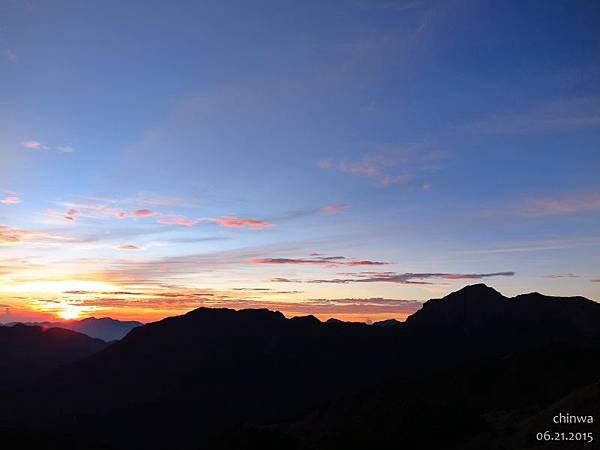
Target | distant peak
(479,287)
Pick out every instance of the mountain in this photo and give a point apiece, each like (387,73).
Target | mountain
(30,352)
(194,381)
(477,405)
(104,328)
(387,323)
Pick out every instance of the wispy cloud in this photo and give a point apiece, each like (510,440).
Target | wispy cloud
(390,164)
(11,199)
(33,144)
(400,278)
(560,275)
(88,210)
(177,220)
(14,236)
(128,247)
(401,6)
(145,213)
(327,261)
(239,222)
(572,203)
(336,208)
(563,115)
(8,54)
(107,210)
(144,199)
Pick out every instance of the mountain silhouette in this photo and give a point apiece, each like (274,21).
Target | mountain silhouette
(29,352)
(194,381)
(104,328)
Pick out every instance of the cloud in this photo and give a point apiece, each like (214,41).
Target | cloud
(401,6)
(389,164)
(328,261)
(281,280)
(562,115)
(11,200)
(89,210)
(572,203)
(66,149)
(144,199)
(561,275)
(177,220)
(239,222)
(330,210)
(128,247)
(32,144)
(14,236)
(145,213)
(402,278)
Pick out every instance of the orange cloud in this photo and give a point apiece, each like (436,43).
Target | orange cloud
(10,200)
(144,213)
(239,222)
(14,236)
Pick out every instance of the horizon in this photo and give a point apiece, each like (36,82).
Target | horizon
(341,160)
(322,317)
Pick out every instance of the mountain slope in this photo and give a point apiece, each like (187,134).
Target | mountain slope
(30,352)
(104,328)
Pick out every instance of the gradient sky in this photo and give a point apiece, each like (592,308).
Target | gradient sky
(345,159)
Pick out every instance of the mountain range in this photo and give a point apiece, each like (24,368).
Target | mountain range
(104,328)
(472,370)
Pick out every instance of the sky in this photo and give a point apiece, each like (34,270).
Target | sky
(346,159)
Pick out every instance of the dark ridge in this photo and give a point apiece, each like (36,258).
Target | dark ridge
(104,328)
(27,353)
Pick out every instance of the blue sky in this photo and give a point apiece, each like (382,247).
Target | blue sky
(215,148)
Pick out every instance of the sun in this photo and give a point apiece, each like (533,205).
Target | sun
(69,312)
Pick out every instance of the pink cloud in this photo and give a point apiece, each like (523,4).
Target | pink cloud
(37,145)
(239,222)
(32,145)
(177,220)
(71,214)
(335,208)
(144,213)
(120,214)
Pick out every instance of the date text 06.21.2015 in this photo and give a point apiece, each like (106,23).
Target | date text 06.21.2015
(586,437)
